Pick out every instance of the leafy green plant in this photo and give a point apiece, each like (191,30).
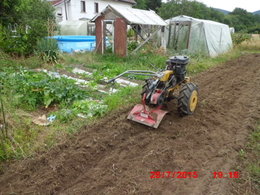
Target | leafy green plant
(65,115)
(47,49)
(132,45)
(37,88)
(131,33)
(89,108)
(109,49)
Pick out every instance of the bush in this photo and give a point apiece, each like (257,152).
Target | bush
(254,29)
(16,44)
(24,42)
(238,38)
(47,49)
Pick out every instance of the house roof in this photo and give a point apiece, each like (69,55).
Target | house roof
(57,2)
(127,1)
(133,16)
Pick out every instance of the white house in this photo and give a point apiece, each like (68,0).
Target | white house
(84,9)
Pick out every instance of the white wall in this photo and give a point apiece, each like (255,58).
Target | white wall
(74,8)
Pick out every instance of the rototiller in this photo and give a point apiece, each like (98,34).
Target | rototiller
(162,87)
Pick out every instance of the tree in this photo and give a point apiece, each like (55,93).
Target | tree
(34,14)
(239,18)
(242,20)
(239,11)
(141,4)
(154,4)
(8,11)
(184,7)
(148,4)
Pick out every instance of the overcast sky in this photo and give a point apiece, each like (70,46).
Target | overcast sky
(229,5)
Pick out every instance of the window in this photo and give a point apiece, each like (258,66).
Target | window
(59,11)
(96,7)
(83,6)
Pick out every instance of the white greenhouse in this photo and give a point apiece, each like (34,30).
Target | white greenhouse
(193,35)
(77,27)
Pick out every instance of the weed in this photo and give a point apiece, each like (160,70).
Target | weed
(242,153)
(251,45)
(47,49)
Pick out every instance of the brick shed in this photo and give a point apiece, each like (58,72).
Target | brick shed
(120,19)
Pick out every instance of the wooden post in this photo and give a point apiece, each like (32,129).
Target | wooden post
(120,38)
(99,34)
(188,41)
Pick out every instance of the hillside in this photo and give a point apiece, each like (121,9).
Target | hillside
(222,10)
(227,12)
(257,12)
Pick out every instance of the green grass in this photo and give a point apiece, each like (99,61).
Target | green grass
(21,134)
(124,97)
(249,165)
(110,65)
(199,64)
(254,165)
(16,62)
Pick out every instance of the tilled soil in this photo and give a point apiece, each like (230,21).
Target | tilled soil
(116,156)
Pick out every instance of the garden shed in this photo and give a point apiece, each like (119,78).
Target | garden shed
(145,23)
(194,35)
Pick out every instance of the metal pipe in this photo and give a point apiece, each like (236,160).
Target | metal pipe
(65,7)
(135,72)
(3,115)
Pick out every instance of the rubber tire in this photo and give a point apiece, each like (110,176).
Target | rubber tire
(184,99)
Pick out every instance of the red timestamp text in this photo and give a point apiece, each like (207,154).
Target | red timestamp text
(221,174)
(173,174)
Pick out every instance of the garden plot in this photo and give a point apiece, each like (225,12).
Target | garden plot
(120,81)
(87,82)
(73,95)
(73,92)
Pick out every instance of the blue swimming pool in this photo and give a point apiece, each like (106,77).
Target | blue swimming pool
(75,43)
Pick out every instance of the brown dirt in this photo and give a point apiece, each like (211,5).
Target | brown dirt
(116,156)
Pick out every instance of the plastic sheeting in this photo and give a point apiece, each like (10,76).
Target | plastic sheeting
(204,36)
(75,27)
